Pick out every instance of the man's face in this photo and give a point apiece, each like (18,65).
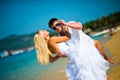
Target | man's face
(57,26)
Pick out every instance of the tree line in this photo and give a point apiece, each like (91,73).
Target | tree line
(103,22)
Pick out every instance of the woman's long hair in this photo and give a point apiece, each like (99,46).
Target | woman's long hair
(41,47)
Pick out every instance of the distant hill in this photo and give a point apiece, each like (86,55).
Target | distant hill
(16,42)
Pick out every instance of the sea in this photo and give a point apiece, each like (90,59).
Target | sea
(24,66)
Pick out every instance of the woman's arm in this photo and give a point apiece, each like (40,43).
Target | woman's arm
(58,39)
(53,43)
(53,59)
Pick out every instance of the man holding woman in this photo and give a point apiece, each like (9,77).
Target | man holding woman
(78,37)
(61,27)
(84,60)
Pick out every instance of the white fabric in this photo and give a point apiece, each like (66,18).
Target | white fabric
(63,48)
(84,60)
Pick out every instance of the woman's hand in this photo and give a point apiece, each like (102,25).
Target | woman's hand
(63,56)
(58,53)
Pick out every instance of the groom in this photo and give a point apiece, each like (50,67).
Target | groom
(61,27)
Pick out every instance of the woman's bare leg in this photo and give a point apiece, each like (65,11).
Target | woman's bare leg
(102,51)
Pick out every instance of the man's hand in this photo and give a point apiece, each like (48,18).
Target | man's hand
(62,22)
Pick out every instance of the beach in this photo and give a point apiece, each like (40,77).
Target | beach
(113,45)
(24,66)
(55,73)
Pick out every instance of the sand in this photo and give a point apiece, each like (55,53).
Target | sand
(55,73)
(113,45)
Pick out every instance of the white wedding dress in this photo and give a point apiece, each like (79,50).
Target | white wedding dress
(84,60)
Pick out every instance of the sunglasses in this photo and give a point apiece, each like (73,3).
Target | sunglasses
(54,27)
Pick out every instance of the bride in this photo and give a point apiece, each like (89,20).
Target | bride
(84,60)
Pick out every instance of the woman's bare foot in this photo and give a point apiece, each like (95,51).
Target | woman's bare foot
(110,60)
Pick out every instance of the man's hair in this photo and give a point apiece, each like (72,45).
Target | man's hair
(52,20)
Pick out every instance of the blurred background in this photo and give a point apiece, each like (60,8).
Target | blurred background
(20,19)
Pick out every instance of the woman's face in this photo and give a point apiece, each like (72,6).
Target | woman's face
(46,34)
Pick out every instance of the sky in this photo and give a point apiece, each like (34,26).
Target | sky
(27,16)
